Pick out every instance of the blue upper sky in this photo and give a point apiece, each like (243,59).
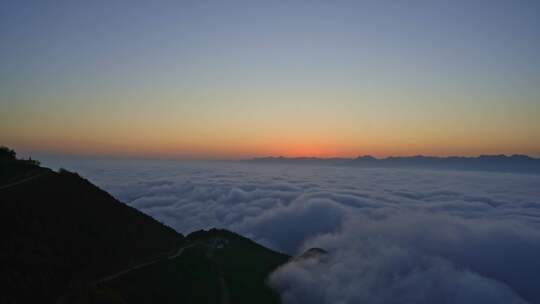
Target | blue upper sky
(229,78)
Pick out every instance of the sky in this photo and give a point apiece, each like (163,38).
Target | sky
(236,79)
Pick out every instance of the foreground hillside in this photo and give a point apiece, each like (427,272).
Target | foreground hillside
(65,240)
(215,266)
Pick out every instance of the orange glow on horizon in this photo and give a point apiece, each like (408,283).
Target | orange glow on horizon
(234,151)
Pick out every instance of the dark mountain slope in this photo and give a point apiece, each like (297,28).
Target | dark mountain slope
(215,266)
(244,264)
(59,231)
(64,240)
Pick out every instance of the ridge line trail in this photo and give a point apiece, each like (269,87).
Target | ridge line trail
(177,253)
(22,181)
(224,290)
(141,265)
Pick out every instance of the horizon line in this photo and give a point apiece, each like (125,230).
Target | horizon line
(38,155)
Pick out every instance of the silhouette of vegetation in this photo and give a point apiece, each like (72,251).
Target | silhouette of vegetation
(7,154)
(13,169)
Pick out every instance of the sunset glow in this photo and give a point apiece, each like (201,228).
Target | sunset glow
(242,79)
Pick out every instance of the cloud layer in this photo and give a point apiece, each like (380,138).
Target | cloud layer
(394,236)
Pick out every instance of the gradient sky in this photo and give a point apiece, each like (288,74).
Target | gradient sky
(234,79)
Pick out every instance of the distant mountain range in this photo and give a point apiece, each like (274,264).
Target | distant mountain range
(497,163)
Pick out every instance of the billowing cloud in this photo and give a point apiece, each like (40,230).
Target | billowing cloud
(393,236)
(298,221)
(418,258)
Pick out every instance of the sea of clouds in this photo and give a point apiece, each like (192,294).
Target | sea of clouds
(393,236)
